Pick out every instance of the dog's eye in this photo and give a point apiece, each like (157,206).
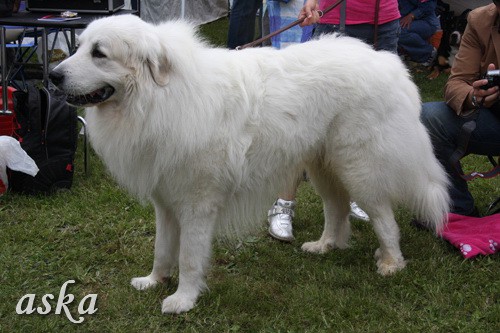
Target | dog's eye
(96,53)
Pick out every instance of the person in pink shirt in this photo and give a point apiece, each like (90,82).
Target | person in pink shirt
(363,18)
(374,21)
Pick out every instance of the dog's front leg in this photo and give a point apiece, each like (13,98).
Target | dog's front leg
(195,250)
(166,250)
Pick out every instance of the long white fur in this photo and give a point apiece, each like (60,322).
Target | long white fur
(211,136)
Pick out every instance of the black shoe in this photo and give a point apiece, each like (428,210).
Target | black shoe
(417,224)
(494,208)
(474,213)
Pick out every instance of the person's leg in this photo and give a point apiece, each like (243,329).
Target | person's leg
(322,29)
(444,127)
(360,31)
(388,36)
(414,41)
(242,22)
(281,214)
(357,212)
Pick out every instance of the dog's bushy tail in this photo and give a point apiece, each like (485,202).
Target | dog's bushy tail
(431,198)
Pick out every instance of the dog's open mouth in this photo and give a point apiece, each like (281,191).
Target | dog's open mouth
(95,97)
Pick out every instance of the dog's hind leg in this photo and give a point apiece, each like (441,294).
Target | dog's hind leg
(166,251)
(337,228)
(196,233)
(388,255)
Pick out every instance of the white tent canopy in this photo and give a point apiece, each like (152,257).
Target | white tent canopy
(197,11)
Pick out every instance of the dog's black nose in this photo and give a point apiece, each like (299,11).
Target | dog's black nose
(56,78)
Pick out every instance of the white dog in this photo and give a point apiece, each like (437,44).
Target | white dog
(211,136)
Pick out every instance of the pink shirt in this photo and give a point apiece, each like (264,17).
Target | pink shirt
(359,11)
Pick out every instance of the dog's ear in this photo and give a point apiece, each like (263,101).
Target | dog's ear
(159,69)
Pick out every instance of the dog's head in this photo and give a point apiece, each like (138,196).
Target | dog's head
(113,56)
(458,28)
(447,20)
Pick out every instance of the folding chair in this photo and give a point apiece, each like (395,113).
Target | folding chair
(23,48)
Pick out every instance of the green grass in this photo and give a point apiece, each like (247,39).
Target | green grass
(99,236)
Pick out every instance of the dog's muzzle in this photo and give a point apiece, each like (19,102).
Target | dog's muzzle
(455,38)
(95,97)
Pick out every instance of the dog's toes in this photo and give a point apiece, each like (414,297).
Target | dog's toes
(386,269)
(387,265)
(177,304)
(143,283)
(317,247)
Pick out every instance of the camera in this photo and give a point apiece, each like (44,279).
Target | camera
(493,78)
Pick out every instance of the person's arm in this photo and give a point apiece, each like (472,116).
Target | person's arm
(464,81)
(424,9)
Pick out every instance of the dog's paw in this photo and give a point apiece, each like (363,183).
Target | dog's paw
(317,247)
(143,283)
(387,265)
(177,304)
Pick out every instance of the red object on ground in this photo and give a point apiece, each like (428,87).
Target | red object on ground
(8,121)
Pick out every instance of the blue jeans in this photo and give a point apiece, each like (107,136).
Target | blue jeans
(414,40)
(387,36)
(242,22)
(444,127)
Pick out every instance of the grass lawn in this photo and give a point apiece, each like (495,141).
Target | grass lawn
(100,237)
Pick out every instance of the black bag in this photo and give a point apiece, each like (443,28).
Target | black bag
(6,7)
(48,133)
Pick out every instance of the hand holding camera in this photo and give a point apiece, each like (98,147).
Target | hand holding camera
(493,77)
(485,91)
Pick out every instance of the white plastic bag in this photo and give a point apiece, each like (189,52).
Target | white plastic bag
(14,157)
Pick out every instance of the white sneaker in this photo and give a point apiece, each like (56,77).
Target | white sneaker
(358,212)
(280,220)
(431,59)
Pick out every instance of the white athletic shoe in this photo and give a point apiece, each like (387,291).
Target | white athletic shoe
(358,212)
(280,220)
